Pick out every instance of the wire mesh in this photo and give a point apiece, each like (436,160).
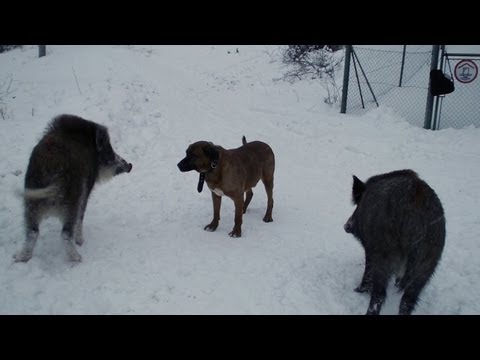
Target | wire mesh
(405,91)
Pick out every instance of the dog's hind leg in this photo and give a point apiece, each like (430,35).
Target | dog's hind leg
(268,182)
(248,198)
(31,228)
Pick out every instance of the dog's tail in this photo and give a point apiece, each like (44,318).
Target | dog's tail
(244,140)
(37,194)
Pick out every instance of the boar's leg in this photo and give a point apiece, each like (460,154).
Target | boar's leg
(420,268)
(75,197)
(31,228)
(79,226)
(380,276)
(366,284)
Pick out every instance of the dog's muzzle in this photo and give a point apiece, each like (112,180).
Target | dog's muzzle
(185,165)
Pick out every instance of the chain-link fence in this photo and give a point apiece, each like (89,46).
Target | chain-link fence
(462,107)
(400,79)
(395,78)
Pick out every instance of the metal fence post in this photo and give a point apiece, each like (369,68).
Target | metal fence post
(403,65)
(354,54)
(42,50)
(436,114)
(429,109)
(346,77)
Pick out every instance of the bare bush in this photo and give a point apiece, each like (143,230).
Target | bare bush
(299,53)
(4,48)
(314,62)
(5,91)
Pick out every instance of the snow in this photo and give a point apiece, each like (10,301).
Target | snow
(145,249)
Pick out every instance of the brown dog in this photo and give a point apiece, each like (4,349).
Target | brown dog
(232,173)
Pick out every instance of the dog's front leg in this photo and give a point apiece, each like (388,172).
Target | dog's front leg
(237,229)
(217,202)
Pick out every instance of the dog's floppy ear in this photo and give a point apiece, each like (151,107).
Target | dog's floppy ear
(102,139)
(212,152)
(357,189)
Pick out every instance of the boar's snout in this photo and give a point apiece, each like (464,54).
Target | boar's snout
(122,166)
(348,227)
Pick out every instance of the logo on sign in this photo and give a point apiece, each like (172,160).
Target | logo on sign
(466,71)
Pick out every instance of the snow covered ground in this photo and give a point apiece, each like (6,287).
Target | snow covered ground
(145,249)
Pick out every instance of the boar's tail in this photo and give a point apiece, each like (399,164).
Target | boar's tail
(43,193)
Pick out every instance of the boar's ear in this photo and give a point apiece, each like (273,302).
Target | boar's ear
(101,138)
(357,190)
(212,152)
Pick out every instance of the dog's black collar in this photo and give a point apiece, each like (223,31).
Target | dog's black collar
(201,178)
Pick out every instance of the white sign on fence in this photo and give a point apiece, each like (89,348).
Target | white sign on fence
(466,71)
